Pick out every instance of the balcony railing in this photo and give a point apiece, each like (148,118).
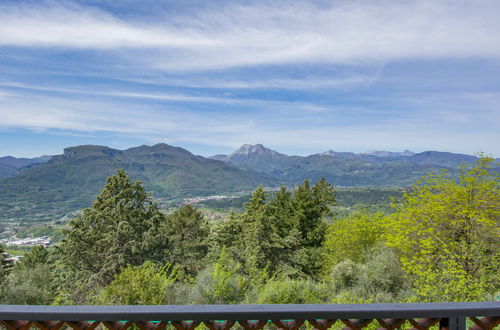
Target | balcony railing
(481,315)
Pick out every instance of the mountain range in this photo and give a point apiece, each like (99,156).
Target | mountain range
(48,188)
(11,165)
(70,181)
(374,168)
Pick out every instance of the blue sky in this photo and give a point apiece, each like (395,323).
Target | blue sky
(300,77)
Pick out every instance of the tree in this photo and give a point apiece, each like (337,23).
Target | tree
(139,285)
(310,206)
(187,231)
(31,280)
(352,238)
(37,255)
(5,264)
(281,235)
(221,283)
(120,228)
(446,234)
(29,286)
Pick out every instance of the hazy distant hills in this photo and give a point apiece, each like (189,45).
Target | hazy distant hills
(373,168)
(71,181)
(46,188)
(11,165)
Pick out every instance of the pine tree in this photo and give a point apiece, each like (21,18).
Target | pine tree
(120,228)
(5,264)
(310,206)
(187,231)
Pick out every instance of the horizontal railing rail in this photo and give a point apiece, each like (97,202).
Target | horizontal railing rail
(482,315)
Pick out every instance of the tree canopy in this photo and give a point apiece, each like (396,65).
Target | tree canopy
(440,243)
(281,235)
(187,232)
(120,228)
(446,234)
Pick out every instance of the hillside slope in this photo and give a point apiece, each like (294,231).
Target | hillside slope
(70,182)
(375,168)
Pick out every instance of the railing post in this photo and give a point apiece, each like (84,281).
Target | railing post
(452,323)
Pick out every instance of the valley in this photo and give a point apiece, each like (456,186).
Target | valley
(53,189)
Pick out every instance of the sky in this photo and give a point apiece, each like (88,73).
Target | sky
(300,77)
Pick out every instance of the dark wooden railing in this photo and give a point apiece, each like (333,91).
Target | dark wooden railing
(480,315)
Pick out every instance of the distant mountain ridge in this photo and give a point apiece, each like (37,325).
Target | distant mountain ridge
(71,181)
(377,153)
(372,168)
(11,165)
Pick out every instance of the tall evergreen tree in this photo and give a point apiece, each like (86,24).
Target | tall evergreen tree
(120,228)
(187,231)
(310,206)
(5,264)
(283,235)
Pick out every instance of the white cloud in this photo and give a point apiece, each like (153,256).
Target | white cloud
(236,35)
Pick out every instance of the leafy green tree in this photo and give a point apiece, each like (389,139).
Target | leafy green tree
(221,283)
(31,280)
(446,233)
(379,279)
(147,284)
(352,238)
(120,228)
(29,285)
(188,232)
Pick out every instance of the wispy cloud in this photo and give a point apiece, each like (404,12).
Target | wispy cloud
(236,35)
(291,129)
(295,75)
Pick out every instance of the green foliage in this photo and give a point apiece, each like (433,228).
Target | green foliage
(440,244)
(28,286)
(378,279)
(446,233)
(139,285)
(37,255)
(352,238)
(30,280)
(293,291)
(187,231)
(5,264)
(120,228)
(310,205)
(282,235)
(70,182)
(221,283)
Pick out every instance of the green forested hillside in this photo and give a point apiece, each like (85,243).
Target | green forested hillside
(439,244)
(7,170)
(69,182)
(11,165)
(346,168)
